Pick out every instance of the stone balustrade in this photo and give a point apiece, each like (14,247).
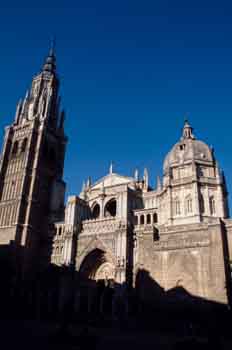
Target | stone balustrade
(102,225)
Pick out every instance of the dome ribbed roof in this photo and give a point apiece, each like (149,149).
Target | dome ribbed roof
(188,149)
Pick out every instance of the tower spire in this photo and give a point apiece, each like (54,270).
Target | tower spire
(50,61)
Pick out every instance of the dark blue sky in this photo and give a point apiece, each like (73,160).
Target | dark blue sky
(130,71)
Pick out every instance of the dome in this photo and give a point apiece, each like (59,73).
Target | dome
(188,149)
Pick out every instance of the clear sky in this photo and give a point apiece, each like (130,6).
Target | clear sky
(130,71)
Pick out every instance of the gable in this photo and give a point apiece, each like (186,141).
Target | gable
(112,180)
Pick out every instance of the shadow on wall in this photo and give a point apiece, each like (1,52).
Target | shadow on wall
(62,294)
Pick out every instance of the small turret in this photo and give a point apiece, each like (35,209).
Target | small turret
(25,104)
(18,111)
(158,184)
(136,175)
(187,131)
(88,183)
(83,193)
(145,179)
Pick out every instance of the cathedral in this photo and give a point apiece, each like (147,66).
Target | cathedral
(179,232)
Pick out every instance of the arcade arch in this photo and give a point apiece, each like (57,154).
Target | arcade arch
(96,211)
(110,208)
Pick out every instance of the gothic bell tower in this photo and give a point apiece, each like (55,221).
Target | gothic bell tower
(31,169)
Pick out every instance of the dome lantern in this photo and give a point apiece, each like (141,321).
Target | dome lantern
(187,131)
(188,149)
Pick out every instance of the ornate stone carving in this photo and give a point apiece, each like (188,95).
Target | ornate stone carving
(105,272)
(102,226)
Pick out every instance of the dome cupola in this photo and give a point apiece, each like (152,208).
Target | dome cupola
(187,150)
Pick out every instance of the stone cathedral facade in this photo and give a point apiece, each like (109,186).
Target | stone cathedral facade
(179,232)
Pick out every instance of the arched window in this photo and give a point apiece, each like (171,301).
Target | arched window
(212,205)
(189,205)
(142,220)
(96,211)
(110,208)
(136,220)
(59,231)
(15,148)
(57,250)
(61,249)
(155,218)
(176,206)
(24,145)
(202,204)
(148,219)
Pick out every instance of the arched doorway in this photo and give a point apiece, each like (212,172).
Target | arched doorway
(97,274)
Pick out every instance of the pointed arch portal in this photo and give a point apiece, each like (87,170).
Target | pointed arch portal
(97,274)
(97,266)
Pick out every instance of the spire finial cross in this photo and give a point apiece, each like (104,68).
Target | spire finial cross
(52,45)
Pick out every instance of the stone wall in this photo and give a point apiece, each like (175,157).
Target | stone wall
(188,257)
